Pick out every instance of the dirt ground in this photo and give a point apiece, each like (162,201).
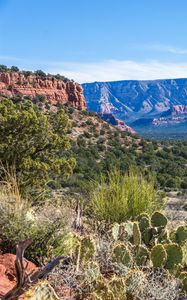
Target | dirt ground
(175,209)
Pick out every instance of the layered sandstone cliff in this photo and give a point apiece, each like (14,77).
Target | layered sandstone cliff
(55,91)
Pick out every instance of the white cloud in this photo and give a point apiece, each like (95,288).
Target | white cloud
(112,70)
(167,48)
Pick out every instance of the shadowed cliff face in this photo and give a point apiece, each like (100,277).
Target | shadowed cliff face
(55,91)
(179,110)
(129,100)
(156,108)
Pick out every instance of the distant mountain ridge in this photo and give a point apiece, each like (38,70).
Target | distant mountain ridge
(136,101)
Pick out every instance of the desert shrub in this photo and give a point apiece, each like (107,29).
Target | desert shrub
(123,197)
(20,221)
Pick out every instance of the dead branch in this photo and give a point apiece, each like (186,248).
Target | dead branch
(25,280)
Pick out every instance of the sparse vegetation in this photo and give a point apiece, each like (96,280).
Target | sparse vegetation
(106,216)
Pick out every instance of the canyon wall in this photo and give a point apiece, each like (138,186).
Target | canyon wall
(55,91)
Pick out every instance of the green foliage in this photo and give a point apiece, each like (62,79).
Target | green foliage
(67,244)
(14,69)
(123,197)
(174,255)
(3,68)
(181,235)
(158,256)
(158,219)
(33,143)
(40,73)
(19,221)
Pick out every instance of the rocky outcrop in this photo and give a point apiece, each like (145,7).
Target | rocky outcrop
(8,272)
(111,119)
(179,110)
(55,91)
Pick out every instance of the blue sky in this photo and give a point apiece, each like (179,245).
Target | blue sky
(96,40)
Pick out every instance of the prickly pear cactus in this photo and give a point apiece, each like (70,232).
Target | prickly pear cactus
(174,255)
(158,256)
(67,244)
(87,249)
(183,278)
(137,237)
(126,231)
(181,235)
(103,290)
(134,281)
(115,231)
(158,219)
(144,222)
(141,255)
(118,287)
(149,235)
(163,236)
(184,251)
(92,272)
(41,291)
(121,254)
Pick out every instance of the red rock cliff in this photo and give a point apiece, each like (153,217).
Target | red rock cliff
(55,91)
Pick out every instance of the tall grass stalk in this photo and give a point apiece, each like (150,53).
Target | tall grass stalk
(120,198)
(10,197)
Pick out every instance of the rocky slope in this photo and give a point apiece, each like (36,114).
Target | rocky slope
(55,91)
(111,119)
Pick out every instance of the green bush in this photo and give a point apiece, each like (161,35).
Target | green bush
(34,144)
(123,197)
(20,221)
